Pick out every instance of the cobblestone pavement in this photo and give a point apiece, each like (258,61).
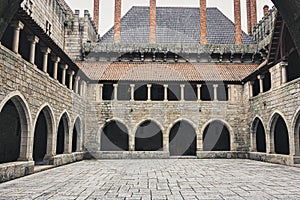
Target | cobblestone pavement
(159,179)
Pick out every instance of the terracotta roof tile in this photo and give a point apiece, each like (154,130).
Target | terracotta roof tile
(133,71)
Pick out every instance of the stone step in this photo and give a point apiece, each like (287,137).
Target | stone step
(40,168)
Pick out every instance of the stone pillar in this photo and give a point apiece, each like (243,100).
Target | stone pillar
(33,40)
(203,27)
(18,26)
(45,51)
(166,92)
(250,83)
(76,86)
(149,92)
(182,86)
(64,68)
(117,25)
(229,92)
(115,92)
(283,72)
(56,60)
(237,22)
(199,92)
(215,92)
(71,73)
(261,83)
(131,142)
(100,92)
(152,39)
(132,92)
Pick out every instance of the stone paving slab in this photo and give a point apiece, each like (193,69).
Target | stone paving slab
(158,179)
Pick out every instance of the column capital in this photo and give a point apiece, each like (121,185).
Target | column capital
(17,25)
(115,85)
(199,85)
(251,83)
(182,85)
(71,72)
(45,50)
(132,85)
(78,78)
(284,64)
(261,76)
(166,85)
(149,85)
(215,85)
(33,38)
(101,85)
(64,66)
(55,59)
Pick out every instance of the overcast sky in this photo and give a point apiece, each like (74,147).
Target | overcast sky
(107,8)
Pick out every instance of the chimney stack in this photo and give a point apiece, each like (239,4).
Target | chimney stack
(266,10)
(253,13)
(249,21)
(203,27)
(237,21)
(96,14)
(117,25)
(152,39)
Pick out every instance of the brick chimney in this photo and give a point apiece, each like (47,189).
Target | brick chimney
(96,14)
(117,25)
(266,10)
(237,21)
(253,14)
(249,20)
(203,27)
(152,38)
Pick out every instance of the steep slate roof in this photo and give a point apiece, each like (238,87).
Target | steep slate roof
(135,71)
(175,25)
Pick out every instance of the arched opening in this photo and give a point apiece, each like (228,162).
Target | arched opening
(260,135)
(62,135)
(114,137)
(216,137)
(148,137)
(42,133)
(140,93)
(76,135)
(281,136)
(10,133)
(182,140)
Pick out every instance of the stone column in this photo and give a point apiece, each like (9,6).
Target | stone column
(76,86)
(81,83)
(250,83)
(229,92)
(261,83)
(199,92)
(131,142)
(64,68)
(115,92)
(283,72)
(100,92)
(166,92)
(56,60)
(149,92)
(18,26)
(71,73)
(215,92)
(182,92)
(33,40)
(45,51)
(132,92)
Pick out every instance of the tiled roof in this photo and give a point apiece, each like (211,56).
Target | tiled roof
(134,71)
(175,25)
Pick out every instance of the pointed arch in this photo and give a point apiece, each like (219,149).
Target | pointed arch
(14,111)
(43,141)
(258,135)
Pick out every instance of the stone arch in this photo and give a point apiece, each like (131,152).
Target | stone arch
(43,140)
(223,138)
(22,147)
(63,135)
(296,132)
(77,134)
(183,138)
(258,135)
(279,134)
(114,136)
(148,136)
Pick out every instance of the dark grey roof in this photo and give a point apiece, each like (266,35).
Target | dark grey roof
(175,25)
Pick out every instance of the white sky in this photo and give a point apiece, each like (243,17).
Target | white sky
(107,8)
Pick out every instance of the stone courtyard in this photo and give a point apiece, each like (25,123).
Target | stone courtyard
(159,179)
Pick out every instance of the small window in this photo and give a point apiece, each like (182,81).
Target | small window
(48,28)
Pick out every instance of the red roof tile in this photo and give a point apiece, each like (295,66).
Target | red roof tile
(132,71)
